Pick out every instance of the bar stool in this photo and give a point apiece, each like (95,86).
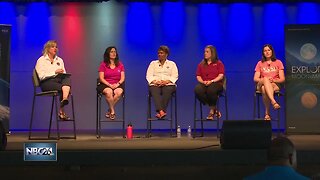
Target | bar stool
(100,120)
(256,106)
(172,118)
(202,119)
(54,107)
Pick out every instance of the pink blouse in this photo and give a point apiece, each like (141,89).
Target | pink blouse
(112,76)
(269,70)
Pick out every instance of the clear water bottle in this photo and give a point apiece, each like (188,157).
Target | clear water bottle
(189,132)
(178,132)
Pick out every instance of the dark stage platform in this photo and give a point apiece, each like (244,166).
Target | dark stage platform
(158,155)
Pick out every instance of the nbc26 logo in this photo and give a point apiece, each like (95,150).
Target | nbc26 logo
(40,151)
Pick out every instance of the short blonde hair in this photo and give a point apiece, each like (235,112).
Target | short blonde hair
(48,45)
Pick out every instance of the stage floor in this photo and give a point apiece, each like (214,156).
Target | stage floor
(88,141)
(159,141)
(158,157)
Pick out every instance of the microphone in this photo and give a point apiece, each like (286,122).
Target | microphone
(51,62)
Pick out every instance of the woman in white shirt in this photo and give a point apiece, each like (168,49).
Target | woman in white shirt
(162,75)
(49,68)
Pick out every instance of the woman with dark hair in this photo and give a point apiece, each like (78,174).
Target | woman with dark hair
(162,75)
(111,76)
(50,69)
(210,74)
(269,74)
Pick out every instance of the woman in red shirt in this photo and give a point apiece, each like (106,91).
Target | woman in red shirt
(210,73)
(111,76)
(269,74)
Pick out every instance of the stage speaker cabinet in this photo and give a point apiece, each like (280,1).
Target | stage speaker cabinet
(3,138)
(245,134)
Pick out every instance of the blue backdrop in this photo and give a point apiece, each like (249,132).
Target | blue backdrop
(84,30)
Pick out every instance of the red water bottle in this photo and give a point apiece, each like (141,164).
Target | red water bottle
(129,131)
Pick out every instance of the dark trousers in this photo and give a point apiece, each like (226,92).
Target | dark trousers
(208,94)
(162,96)
(55,84)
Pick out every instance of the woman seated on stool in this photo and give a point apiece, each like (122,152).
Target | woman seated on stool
(210,74)
(269,74)
(48,67)
(162,75)
(111,76)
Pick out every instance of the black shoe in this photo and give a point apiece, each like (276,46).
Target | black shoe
(64,102)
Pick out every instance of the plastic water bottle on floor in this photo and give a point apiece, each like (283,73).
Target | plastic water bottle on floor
(189,132)
(178,132)
(129,131)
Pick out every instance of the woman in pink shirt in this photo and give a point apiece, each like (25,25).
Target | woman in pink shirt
(111,75)
(269,74)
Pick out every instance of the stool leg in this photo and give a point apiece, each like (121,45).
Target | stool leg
(147,135)
(254,105)
(149,117)
(226,105)
(175,112)
(51,114)
(171,116)
(150,128)
(218,119)
(201,120)
(97,115)
(32,113)
(171,128)
(195,118)
(99,118)
(258,105)
(73,118)
(278,120)
(57,118)
(123,116)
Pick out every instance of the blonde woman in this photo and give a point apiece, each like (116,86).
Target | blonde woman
(48,67)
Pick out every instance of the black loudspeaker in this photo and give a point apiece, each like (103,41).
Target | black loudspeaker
(3,138)
(246,134)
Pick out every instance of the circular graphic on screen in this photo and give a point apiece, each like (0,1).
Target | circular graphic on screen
(308,51)
(309,100)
